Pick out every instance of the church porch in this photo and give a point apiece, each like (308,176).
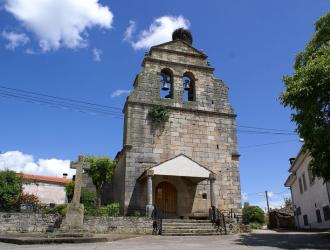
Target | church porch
(179,188)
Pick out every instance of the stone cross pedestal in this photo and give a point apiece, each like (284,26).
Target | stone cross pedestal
(74,217)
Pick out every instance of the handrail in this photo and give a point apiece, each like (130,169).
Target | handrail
(218,219)
(157,224)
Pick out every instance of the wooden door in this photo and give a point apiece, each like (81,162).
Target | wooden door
(166,198)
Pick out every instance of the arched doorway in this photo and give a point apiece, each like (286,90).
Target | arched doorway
(166,199)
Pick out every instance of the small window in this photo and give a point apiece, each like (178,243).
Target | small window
(298,211)
(305,217)
(304,182)
(318,215)
(310,176)
(326,212)
(300,186)
(204,196)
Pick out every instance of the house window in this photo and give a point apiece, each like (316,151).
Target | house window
(298,211)
(305,217)
(204,196)
(188,82)
(318,215)
(326,212)
(304,182)
(310,176)
(300,186)
(166,83)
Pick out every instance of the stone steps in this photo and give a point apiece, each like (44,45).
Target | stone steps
(186,227)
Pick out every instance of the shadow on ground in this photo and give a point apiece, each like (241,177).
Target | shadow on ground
(286,240)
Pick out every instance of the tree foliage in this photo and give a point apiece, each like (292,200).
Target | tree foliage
(100,171)
(308,95)
(87,197)
(10,189)
(254,214)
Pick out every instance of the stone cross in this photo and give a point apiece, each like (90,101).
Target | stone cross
(74,218)
(80,165)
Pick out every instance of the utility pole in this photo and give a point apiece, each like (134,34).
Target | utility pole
(267,200)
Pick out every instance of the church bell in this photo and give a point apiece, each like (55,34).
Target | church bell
(165,85)
(186,85)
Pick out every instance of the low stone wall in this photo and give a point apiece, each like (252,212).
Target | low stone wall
(31,222)
(26,222)
(138,225)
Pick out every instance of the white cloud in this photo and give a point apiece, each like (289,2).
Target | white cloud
(97,53)
(130,30)
(15,39)
(120,92)
(20,162)
(60,23)
(159,31)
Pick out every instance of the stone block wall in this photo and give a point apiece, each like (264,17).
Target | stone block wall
(28,223)
(136,225)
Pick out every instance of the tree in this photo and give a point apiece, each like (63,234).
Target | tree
(101,171)
(308,95)
(10,189)
(87,198)
(288,203)
(254,214)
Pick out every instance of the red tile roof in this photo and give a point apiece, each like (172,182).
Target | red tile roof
(44,178)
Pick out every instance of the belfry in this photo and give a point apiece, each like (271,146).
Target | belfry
(179,152)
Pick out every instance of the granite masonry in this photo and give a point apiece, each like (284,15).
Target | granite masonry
(40,223)
(201,129)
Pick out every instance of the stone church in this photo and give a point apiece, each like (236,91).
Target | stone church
(190,162)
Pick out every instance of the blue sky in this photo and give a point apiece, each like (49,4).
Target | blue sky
(251,44)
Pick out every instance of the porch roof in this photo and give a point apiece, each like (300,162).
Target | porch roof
(181,165)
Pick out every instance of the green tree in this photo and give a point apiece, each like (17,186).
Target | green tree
(100,171)
(308,95)
(87,197)
(254,214)
(288,203)
(10,189)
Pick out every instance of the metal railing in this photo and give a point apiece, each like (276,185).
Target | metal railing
(157,217)
(218,219)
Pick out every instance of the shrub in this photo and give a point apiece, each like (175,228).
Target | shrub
(159,115)
(10,189)
(254,214)
(108,210)
(60,209)
(87,197)
(29,199)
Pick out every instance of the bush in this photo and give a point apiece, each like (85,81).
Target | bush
(28,199)
(256,225)
(108,210)
(87,197)
(10,189)
(60,209)
(254,214)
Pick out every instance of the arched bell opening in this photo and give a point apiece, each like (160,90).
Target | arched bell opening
(166,83)
(188,81)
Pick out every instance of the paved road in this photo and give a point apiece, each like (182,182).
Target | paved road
(261,239)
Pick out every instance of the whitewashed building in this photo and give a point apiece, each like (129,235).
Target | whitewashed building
(310,196)
(49,190)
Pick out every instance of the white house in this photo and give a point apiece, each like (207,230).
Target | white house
(310,196)
(49,190)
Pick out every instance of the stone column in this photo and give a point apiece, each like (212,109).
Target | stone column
(177,87)
(150,206)
(212,193)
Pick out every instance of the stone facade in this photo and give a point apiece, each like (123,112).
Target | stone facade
(203,130)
